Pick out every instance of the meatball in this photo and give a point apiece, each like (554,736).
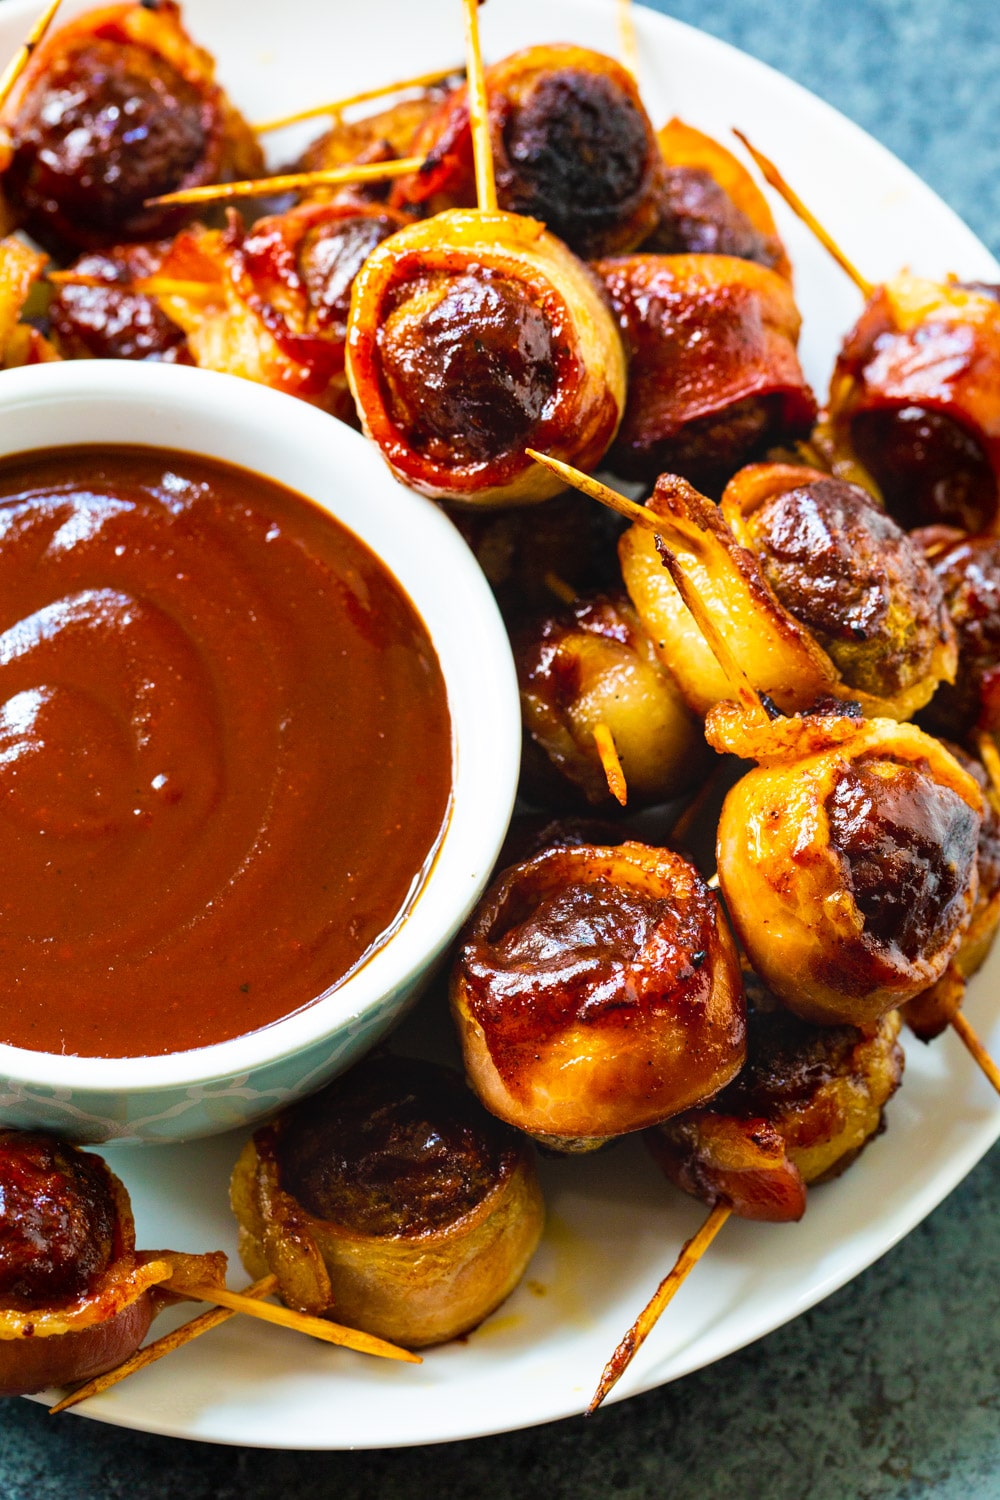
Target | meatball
(845,569)
(57,1219)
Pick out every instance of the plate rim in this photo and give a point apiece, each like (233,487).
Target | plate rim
(659,30)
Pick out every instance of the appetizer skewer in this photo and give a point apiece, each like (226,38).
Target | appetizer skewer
(911,411)
(391,1199)
(714,378)
(76,1297)
(860,889)
(806,1104)
(869,977)
(596,991)
(115,107)
(572,143)
(475,332)
(859,584)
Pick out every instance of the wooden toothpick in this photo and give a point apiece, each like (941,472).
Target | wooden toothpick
(176,1339)
(285,1317)
(19,61)
(364,96)
(628,42)
(795,203)
(975,1048)
(479,121)
(290,182)
(690,1255)
(607,751)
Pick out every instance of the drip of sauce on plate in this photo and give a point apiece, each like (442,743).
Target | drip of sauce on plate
(225,752)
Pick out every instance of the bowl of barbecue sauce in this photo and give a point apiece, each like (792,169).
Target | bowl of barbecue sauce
(259,742)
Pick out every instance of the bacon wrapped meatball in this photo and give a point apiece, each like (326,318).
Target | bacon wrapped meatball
(572,146)
(714,378)
(846,571)
(116,107)
(814,591)
(710,205)
(110,319)
(848,864)
(473,336)
(808,1101)
(391,1201)
(913,403)
(75,1299)
(270,304)
(592,664)
(597,991)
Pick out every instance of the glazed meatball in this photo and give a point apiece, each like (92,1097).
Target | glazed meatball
(57,1216)
(845,569)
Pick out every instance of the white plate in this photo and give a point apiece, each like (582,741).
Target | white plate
(614,1225)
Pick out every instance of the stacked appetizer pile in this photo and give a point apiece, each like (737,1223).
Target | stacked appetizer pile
(483,276)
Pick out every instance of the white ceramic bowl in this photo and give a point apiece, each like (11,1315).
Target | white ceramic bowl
(199,1092)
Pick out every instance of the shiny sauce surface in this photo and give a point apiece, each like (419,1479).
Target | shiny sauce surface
(225,751)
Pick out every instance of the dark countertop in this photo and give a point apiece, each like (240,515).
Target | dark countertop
(890,1390)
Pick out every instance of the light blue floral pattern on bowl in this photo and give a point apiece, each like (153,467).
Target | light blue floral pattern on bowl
(187,1113)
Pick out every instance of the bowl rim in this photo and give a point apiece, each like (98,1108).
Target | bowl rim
(476,662)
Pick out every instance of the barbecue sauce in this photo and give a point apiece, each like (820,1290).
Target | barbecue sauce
(225,752)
